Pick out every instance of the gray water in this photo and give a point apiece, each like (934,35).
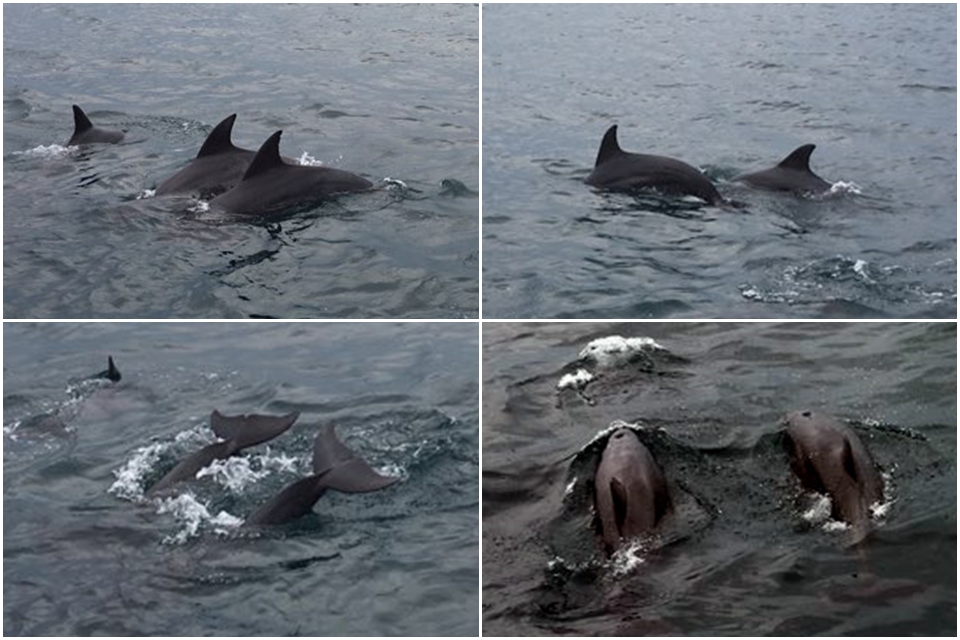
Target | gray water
(86,554)
(729,89)
(386,91)
(752,563)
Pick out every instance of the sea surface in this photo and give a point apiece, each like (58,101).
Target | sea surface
(727,88)
(85,553)
(386,91)
(753,554)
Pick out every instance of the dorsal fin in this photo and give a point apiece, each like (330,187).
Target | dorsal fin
(219,139)
(849,464)
(799,159)
(113,374)
(268,157)
(609,147)
(81,122)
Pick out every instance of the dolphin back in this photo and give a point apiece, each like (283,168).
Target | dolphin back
(249,430)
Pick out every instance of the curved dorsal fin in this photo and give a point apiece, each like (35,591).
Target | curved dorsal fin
(219,139)
(618,495)
(268,157)
(609,147)
(80,121)
(799,158)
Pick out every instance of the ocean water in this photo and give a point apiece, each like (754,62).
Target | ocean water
(728,89)
(748,552)
(386,91)
(85,553)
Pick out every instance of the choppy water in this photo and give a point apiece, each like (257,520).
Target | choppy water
(746,560)
(387,91)
(727,88)
(86,554)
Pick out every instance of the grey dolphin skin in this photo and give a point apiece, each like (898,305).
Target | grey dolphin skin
(334,467)
(830,458)
(791,174)
(238,432)
(218,167)
(619,170)
(270,185)
(631,494)
(85,133)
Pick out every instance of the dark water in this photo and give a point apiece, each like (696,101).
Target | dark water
(727,88)
(749,561)
(85,554)
(381,90)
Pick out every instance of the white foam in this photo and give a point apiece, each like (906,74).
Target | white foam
(613,351)
(129,478)
(576,380)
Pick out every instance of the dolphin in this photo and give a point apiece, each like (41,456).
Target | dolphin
(619,170)
(631,494)
(237,432)
(334,467)
(218,167)
(85,133)
(271,185)
(112,373)
(830,458)
(791,174)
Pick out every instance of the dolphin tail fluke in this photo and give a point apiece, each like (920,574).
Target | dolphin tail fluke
(246,431)
(342,469)
(81,122)
(799,158)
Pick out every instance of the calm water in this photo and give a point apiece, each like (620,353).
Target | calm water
(728,88)
(384,91)
(85,554)
(748,563)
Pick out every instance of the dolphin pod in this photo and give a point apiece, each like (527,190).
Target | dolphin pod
(335,466)
(237,433)
(828,457)
(85,133)
(631,494)
(218,167)
(619,170)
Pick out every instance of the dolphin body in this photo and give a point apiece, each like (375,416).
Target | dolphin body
(619,170)
(238,432)
(334,467)
(85,133)
(830,458)
(631,496)
(270,185)
(218,167)
(791,174)
(111,373)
